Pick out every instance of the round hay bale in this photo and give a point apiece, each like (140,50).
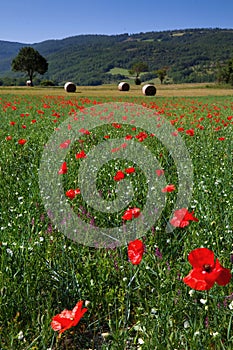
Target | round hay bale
(149,90)
(123,86)
(70,87)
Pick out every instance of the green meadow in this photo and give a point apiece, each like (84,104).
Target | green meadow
(43,272)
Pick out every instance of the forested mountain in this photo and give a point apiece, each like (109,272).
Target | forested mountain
(191,55)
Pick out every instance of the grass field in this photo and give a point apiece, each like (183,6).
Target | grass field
(130,306)
(122,71)
(111,90)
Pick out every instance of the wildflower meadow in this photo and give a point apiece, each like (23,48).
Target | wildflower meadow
(134,253)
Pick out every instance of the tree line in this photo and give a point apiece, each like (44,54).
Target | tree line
(195,55)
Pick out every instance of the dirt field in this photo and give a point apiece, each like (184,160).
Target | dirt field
(112,90)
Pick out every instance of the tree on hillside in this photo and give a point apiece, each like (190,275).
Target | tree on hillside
(226,73)
(162,74)
(29,61)
(138,68)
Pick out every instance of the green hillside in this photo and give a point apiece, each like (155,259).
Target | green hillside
(191,55)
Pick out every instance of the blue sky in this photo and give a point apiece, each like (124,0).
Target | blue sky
(30,21)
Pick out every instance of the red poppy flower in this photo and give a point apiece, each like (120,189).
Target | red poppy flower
(131,213)
(130,170)
(115,149)
(135,251)
(119,175)
(174,133)
(182,217)
(22,141)
(221,138)
(84,131)
(141,136)
(159,172)
(124,145)
(65,144)
(169,188)
(70,193)
(128,137)
(77,191)
(116,125)
(8,138)
(68,318)
(190,132)
(12,123)
(81,154)
(205,270)
(63,169)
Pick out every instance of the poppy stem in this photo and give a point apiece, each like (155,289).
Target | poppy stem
(127,294)
(132,277)
(207,309)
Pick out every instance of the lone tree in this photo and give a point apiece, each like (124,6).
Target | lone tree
(162,74)
(29,61)
(138,68)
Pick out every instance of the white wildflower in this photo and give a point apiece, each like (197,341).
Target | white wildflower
(140,341)
(215,334)
(203,301)
(20,336)
(191,292)
(196,333)
(9,251)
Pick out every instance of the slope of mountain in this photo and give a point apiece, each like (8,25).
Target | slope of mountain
(191,55)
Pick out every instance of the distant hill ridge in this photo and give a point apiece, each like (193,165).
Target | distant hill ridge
(191,55)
